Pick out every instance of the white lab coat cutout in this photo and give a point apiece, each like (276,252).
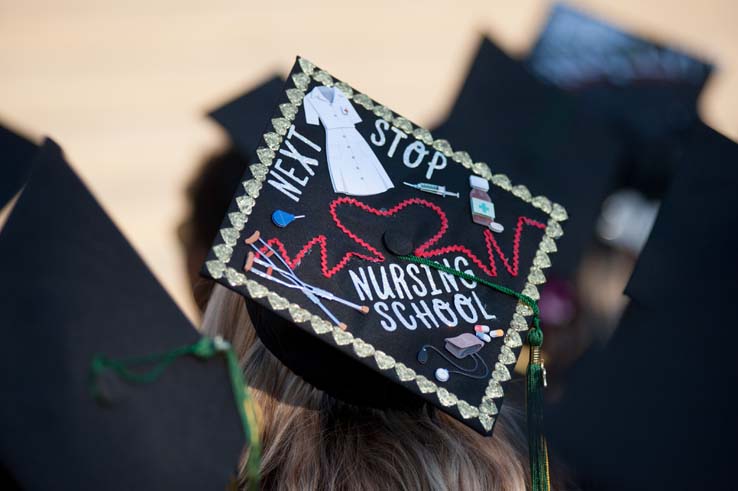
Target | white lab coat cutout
(353,166)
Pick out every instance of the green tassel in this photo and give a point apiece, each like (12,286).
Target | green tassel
(535,378)
(204,348)
(535,382)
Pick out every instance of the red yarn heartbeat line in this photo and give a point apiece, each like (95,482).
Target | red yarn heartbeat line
(425,250)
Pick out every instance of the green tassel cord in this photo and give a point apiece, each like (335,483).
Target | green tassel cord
(535,376)
(535,383)
(204,348)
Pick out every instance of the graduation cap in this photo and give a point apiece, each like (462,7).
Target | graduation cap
(654,409)
(382,265)
(84,317)
(16,153)
(539,135)
(243,117)
(648,89)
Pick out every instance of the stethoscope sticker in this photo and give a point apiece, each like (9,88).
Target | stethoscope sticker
(465,345)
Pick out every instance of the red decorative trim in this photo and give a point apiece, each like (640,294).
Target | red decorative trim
(491,242)
(423,251)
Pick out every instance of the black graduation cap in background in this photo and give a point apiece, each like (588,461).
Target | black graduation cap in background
(243,117)
(649,90)
(655,409)
(16,153)
(73,288)
(335,239)
(539,135)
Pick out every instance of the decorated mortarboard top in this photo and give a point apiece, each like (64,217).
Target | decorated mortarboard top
(73,289)
(336,239)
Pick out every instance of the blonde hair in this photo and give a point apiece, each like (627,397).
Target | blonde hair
(311,441)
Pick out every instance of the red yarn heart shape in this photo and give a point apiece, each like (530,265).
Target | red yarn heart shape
(424,250)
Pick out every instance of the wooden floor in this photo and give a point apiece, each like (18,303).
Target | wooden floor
(123,86)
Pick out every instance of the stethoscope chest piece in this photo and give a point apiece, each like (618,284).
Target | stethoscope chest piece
(442,374)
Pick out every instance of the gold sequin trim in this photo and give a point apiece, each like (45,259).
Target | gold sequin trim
(423,135)
(345,88)
(288,110)
(444,147)
(273,141)
(281,125)
(404,124)
(536,276)
(295,96)
(301,81)
(306,65)
(383,112)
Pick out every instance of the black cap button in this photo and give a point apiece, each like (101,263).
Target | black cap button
(397,242)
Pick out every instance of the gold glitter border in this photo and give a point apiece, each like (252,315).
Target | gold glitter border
(487,409)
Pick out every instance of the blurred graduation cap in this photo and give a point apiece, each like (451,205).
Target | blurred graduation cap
(243,117)
(655,408)
(537,134)
(216,180)
(649,90)
(75,291)
(16,153)
(385,266)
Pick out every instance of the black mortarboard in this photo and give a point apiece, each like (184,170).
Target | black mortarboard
(16,153)
(73,288)
(649,90)
(218,176)
(655,408)
(365,249)
(243,117)
(539,135)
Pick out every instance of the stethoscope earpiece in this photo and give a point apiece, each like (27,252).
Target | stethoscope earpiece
(423,356)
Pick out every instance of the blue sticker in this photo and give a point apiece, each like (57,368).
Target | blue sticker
(281,218)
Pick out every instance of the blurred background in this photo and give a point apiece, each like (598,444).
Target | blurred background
(124,86)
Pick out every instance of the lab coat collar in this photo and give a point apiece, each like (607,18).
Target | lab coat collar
(317,92)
